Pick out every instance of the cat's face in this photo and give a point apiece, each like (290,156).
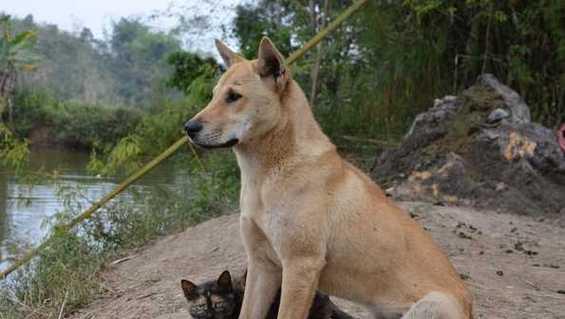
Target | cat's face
(211,300)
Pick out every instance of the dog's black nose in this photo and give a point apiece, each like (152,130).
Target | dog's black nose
(192,127)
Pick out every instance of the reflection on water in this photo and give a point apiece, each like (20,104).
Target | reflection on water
(24,210)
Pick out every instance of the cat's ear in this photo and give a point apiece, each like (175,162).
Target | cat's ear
(224,281)
(189,289)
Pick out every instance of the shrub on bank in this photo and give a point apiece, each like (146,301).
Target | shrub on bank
(70,123)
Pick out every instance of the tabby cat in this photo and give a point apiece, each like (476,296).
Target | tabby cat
(222,299)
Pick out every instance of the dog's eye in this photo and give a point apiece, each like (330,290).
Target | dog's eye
(232,96)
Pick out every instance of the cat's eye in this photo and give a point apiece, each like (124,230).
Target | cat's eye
(232,96)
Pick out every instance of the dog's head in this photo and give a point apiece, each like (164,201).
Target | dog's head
(246,101)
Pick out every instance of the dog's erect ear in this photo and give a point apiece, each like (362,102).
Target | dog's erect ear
(270,63)
(189,289)
(226,53)
(224,281)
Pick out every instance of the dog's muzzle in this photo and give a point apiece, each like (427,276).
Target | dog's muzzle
(192,128)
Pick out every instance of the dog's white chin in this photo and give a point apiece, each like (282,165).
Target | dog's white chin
(229,143)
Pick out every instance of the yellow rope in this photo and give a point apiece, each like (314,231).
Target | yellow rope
(170,151)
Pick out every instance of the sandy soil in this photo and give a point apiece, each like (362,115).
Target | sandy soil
(514,265)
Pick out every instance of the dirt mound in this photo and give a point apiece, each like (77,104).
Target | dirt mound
(478,149)
(513,264)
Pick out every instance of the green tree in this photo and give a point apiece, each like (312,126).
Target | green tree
(187,67)
(139,59)
(388,63)
(16,56)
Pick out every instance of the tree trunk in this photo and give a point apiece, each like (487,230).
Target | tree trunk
(7,84)
(3,95)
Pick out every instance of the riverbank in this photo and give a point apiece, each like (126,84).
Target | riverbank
(28,206)
(514,265)
(68,270)
(46,121)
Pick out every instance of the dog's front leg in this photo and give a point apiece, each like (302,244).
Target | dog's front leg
(299,284)
(263,276)
(261,287)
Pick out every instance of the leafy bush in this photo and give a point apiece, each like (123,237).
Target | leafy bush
(161,126)
(13,151)
(72,123)
(187,67)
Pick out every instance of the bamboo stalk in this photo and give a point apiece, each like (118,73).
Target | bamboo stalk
(62,309)
(322,34)
(87,214)
(92,209)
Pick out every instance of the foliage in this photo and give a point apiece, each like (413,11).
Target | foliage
(72,95)
(270,18)
(342,106)
(187,67)
(69,123)
(15,51)
(388,63)
(161,127)
(138,59)
(67,271)
(16,56)
(13,152)
(200,195)
(64,273)
(520,42)
(128,68)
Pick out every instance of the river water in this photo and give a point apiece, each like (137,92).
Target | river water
(25,210)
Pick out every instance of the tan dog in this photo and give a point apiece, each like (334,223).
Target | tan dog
(310,219)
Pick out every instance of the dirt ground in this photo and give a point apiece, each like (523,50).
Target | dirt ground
(514,265)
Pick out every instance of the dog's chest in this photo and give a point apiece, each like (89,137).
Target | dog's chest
(255,205)
(261,196)
(267,208)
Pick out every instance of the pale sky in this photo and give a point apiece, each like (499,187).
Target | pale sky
(72,15)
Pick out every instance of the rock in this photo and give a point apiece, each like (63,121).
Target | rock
(500,187)
(518,108)
(480,149)
(497,116)
(443,111)
(561,137)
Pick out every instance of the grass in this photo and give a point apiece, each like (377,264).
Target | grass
(67,272)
